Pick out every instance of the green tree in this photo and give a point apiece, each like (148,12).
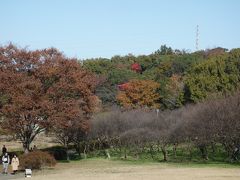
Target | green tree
(164,50)
(215,76)
(99,65)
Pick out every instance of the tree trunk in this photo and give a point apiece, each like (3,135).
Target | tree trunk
(175,150)
(26,147)
(125,153)
(235,154)
(78,149)
(94,144)
(151,152)
(120,150)
(213,148)
(164,153)
(107,153)
(30,132)
(84,151)
(67,153)
(136,154)
(203,150)
(189,148)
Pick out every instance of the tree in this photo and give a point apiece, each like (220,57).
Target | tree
(215,76)
(117,76)
(215,121)
(98,66)
(43,90)
(140,93)
(173,95)
(215,52)
(22,98)
(69,90)
(164,50)
(136,67)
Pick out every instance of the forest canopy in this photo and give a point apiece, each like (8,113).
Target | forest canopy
(183,77)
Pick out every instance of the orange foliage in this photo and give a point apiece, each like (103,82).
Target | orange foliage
(123,87)
(140,93)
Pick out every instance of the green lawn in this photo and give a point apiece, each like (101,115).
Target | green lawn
(183,158)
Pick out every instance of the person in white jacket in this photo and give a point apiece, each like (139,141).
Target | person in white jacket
(15,164)
(5,162)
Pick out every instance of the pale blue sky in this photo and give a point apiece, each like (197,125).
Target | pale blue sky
(103,28)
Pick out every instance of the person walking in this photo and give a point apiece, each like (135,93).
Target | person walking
(15,164)
(4,150)
(5,162)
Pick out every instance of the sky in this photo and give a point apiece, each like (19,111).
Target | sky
(104,28)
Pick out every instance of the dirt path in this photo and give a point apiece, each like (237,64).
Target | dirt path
(111,170)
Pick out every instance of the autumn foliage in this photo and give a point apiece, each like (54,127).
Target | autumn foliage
(140,93)
(123,86)
(42,90)
(136,67)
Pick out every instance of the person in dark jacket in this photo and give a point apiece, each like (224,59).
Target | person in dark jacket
(4,150)
(5,162)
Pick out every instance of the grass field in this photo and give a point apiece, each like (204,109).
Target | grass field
(102,169)
(99,168)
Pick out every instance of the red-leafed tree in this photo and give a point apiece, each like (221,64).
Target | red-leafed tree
(136,67)
(69,90)
(42,89)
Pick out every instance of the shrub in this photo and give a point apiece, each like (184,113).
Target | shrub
(37,160)
(58,152)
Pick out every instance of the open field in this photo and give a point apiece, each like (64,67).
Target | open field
(41,141)
(101,169)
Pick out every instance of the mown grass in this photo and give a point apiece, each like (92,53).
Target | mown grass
(183,158)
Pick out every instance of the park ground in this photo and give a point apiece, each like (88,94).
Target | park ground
(102,169)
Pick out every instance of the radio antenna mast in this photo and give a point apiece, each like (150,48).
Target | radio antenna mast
(197,38)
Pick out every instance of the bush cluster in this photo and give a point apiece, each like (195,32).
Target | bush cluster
(36,160)
(58,152)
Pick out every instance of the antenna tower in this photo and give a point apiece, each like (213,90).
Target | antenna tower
(197,38)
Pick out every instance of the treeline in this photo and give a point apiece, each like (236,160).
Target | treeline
(163,100)
(182,77)
(205,126)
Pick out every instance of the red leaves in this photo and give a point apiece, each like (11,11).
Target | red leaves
(44,88)
(136,67)
(69,89)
